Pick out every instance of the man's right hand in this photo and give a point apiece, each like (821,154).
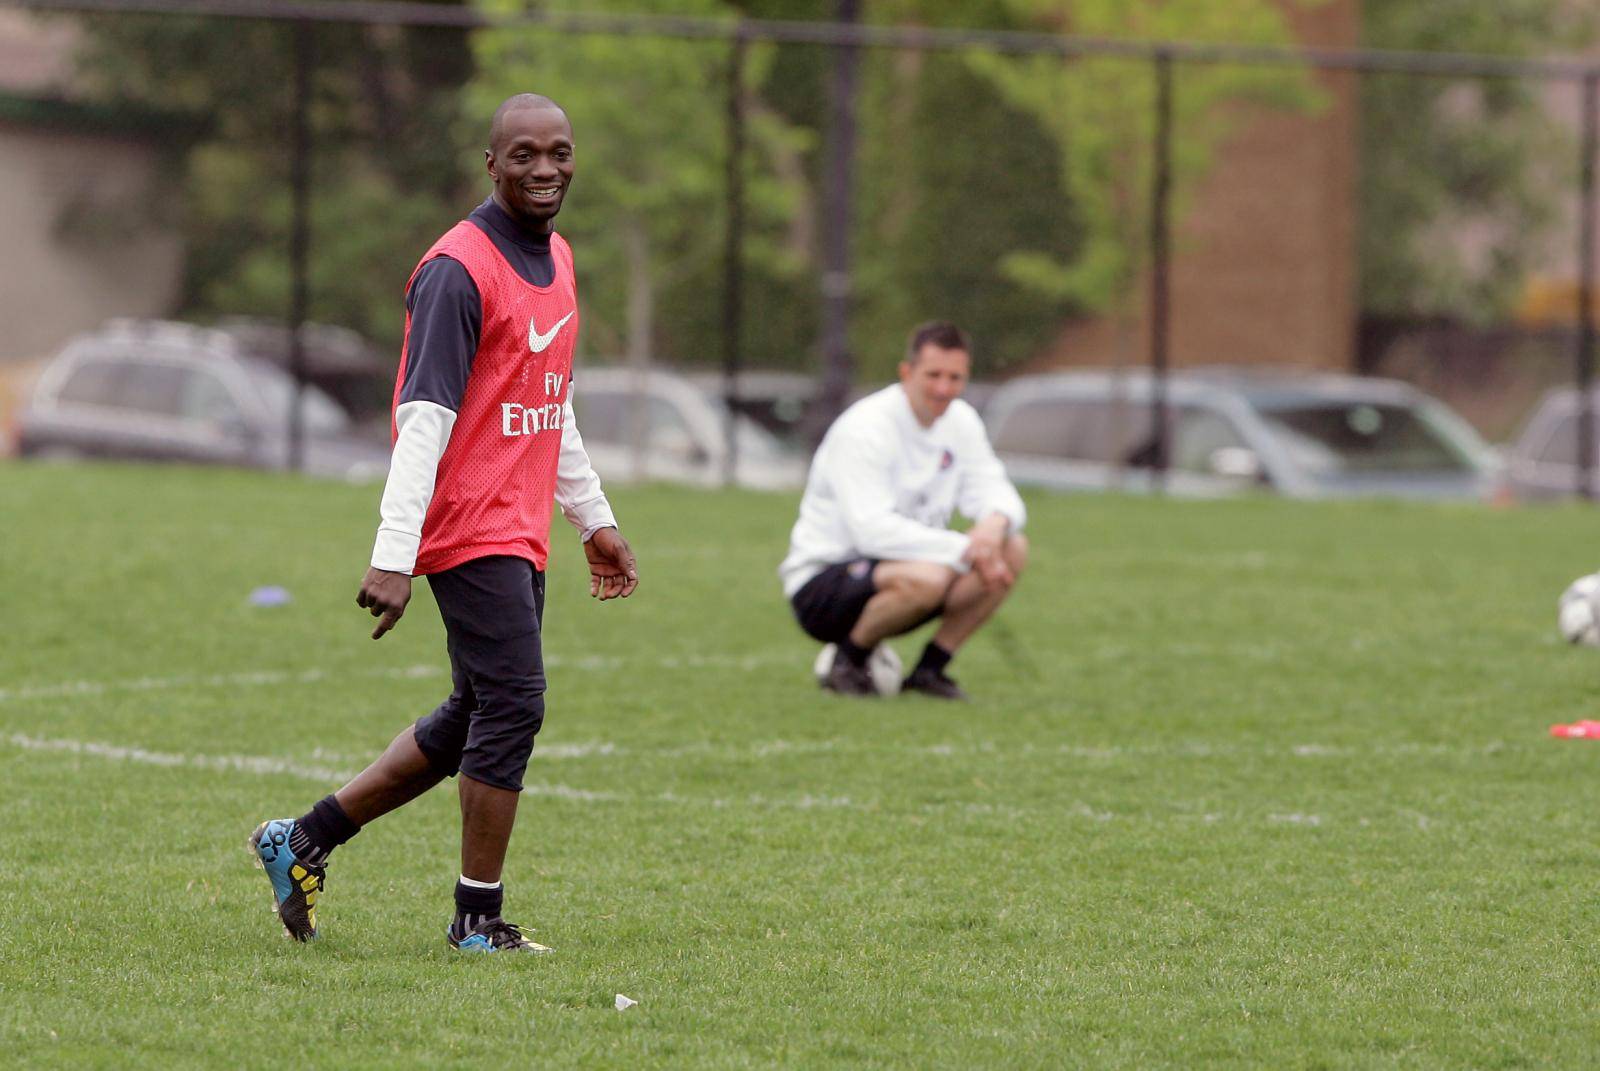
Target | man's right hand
(386,595)
(990,565)
(985,543)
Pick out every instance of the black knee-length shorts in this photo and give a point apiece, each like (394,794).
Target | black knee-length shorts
(492,609)
(831,602)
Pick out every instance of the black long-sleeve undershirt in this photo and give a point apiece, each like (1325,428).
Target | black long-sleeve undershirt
(447,312)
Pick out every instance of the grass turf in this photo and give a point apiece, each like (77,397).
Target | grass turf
(1253,784)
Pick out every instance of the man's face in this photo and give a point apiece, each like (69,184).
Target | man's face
(934,378)
(531,164)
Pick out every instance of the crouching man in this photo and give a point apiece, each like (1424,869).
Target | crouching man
(871,555)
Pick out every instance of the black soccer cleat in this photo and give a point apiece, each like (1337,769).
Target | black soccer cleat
(494,935)
(933,683)
(846,678)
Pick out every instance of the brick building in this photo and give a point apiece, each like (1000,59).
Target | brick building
(1264,265)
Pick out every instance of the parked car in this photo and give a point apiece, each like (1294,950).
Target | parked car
(163,391)
(1542,463)
(776,401)
(654,425)
(1232,430)
(338,361)
(779,401)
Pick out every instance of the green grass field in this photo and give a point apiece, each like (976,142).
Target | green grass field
(1247,784)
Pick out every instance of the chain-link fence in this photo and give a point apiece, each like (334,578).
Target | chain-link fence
(762,210)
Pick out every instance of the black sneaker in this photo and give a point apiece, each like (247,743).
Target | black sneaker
(847,678)
(494,935)
(933,683)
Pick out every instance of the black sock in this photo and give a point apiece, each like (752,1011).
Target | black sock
(320,830)
(474,905)
(856,656)
(934,658)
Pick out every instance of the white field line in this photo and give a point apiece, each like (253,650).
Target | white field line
(267,766)
(252,679)
(254,764)
(981,749)
(761,749)
(274,678)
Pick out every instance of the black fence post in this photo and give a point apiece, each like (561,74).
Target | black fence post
(733,259)
(299,234)
(1586,283)
(838,366)
(1160,224)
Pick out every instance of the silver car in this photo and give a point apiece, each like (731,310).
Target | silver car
(164,391)
(648,424)
(1543,462)
(1303,435)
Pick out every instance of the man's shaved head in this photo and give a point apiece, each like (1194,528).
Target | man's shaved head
(516,104)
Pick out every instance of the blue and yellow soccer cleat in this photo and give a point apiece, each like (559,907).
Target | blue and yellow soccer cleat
(494,935)
(295,884)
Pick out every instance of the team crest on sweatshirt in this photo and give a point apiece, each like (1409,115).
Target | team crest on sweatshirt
(946,459)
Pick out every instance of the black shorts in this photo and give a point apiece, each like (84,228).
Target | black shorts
(830,603)
(492,609)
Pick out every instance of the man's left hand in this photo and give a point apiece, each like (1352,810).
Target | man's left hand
(612,572)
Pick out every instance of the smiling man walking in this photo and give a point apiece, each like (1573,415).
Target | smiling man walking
(484,442)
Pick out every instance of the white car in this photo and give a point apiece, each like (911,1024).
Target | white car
(646,424)
(1298,434)
(1543,462)
(154,390)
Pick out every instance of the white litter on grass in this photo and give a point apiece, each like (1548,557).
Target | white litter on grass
(624,1003)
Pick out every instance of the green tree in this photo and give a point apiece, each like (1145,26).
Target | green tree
(1445,158)
(388,168)
(1100,113)
(949,178)
(1010,194)
(648,208)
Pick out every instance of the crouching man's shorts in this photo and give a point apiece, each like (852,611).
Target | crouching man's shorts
(492,609)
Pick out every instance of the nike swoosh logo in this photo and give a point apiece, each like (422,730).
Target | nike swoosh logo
(537,342)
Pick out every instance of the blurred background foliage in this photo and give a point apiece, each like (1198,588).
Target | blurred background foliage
(1007,193)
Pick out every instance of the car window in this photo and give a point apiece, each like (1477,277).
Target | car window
(92,383)
(207,399)
(1363,437)
(755,443)
(669,432)
(276,389)
(602,413)
(606,416)
(154,388)
(1075,429)
(1198,434)
(1035,428)
(1562,446)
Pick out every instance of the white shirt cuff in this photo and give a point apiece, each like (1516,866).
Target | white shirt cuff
(395,551)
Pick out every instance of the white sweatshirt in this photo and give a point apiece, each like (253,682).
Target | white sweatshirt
(883,486)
